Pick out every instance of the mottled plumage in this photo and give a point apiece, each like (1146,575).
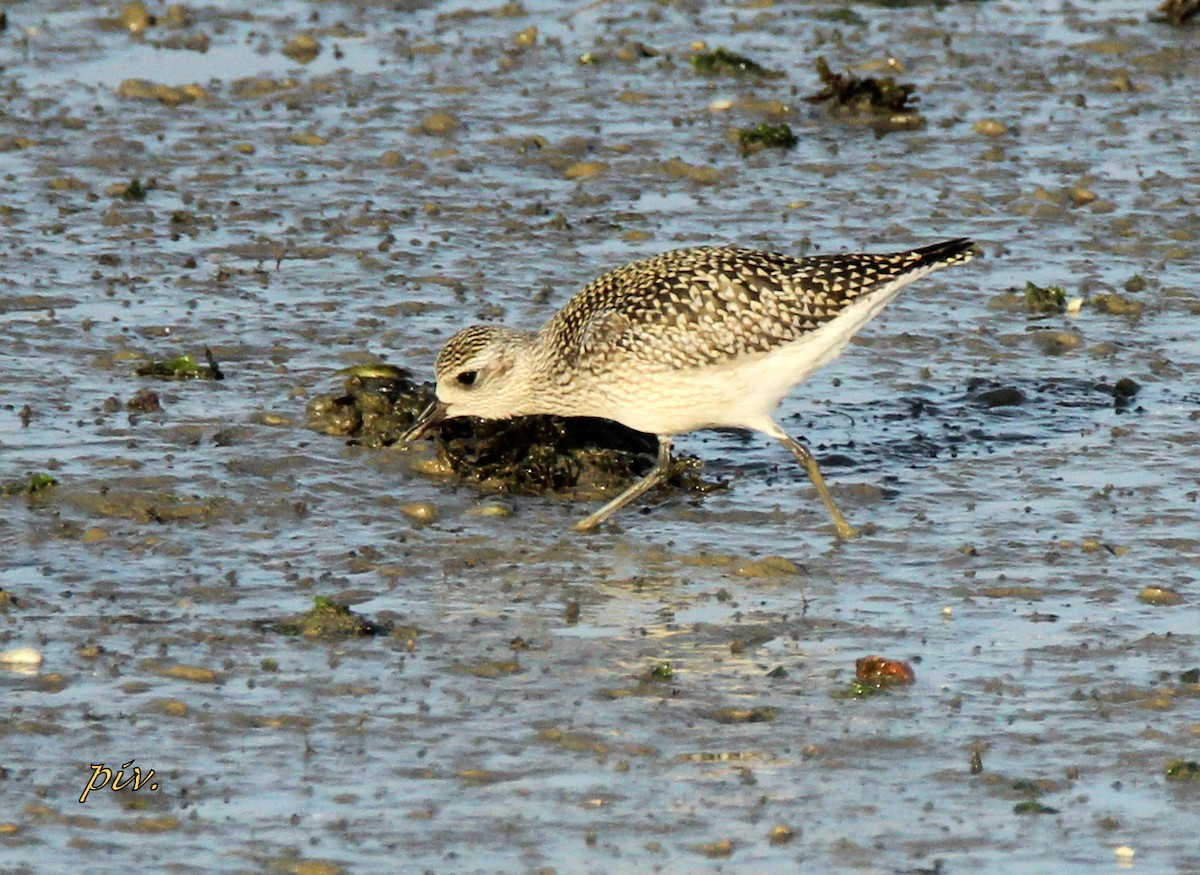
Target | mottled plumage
(692,338)
(703,306)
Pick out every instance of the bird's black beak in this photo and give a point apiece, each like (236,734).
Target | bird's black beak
(430,416)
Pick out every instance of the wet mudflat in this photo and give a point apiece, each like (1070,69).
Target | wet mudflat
(303,187)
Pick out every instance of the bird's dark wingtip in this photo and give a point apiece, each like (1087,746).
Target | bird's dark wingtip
(954,251)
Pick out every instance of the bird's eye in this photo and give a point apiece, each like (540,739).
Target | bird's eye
(467,378)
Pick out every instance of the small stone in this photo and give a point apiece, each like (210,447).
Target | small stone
(1081,197)
(1160,595)
(585,169)
(303,47)
(172,707)
(526,38)
(990,127)
(176,17)
(1116,305)
(134,17)
(439,123)
(768,566)
(1057,342)
(781,834)
(492,509)
(21,656)
(421,512)
(143,89)
(196,673)
(716,850)
(308,139)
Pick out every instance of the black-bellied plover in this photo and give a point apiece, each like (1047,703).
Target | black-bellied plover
(708,337)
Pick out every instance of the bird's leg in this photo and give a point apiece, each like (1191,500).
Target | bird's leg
(660,472)
(805,457)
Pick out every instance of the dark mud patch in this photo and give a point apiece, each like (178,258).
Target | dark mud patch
(979,418)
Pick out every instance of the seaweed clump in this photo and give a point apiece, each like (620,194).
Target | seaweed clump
(328,619)
(377,406)
(890,105)
(766,136)
(722,62)
(533,455)
(1045,299)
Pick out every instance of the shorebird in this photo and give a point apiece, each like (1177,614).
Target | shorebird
(706,337)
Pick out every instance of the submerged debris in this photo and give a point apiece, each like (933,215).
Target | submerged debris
(1032,806)
(144,401)
(133,190)
(761,714)
(328,619)
(1177,12)
(185,367)
(722,62)
(766,136)
(533,455)
(868,95)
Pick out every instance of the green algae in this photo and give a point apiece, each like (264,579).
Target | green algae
(184,367)
(34,485)
(328,619)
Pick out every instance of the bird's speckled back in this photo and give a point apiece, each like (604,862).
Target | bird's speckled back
(704,306)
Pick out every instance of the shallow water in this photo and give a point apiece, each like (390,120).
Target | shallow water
(1006,548)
